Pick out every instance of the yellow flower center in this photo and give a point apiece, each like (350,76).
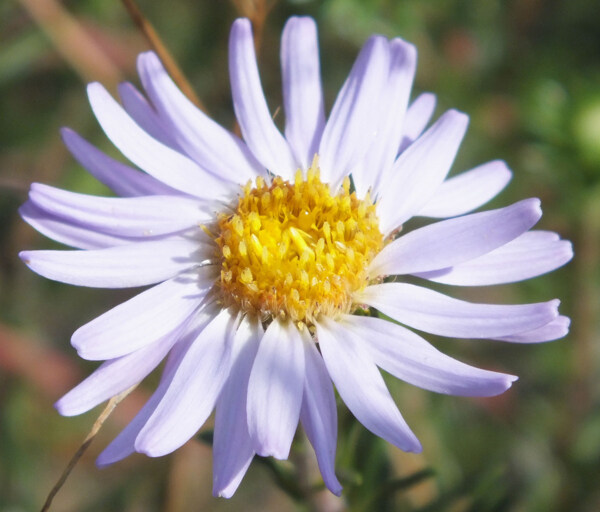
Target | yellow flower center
(295,250)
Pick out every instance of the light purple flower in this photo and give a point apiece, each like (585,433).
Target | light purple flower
(254,294)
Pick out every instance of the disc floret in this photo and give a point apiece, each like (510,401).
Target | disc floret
(295,249)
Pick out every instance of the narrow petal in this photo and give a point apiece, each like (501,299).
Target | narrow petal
(251,109)
(362,388)
(124,444)
(417,117)
(124,266)
(302,91)
(124,180)
(232,447)
(468,190)
(554,330)
(454,241)
(147,317)
(352,124)
(115,376)
(192,393)
(130,217)
(216,149)
(382,153)
(145,116)
(158,160)
(275,390)
(66,232)
(409,357)
(436,313)
(525,257)
(420,169)
(319,414)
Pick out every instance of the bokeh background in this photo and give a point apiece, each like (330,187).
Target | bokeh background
(527,72)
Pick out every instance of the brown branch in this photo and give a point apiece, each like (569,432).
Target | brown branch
(256,11)
(165,56)
(85,445)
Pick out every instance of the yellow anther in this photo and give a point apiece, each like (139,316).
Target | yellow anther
(254,221)
(346,184)
(265,200)
(256,246)
(277,193)
(305,220)
(327,231)
(339,228)
(298,240)
(246,276)
(288,279)
(304,278)
(238,225)
(306,256)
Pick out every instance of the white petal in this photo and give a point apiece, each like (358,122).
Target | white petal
(275,390)
(420,169)
(362,388)
(251,109)
(468,190)
(302,91)
(454,241)
(145,116)
(192,393)
(232,447)
(352,124)
(436,313)
(319,413)
(125,266)
(66,232)
(122,179)
(124,444)
(115,376)
(525,257)
(554,330)
(143,319)
(409,357)
(382,153)
(158,160)
(417,117)
(216,149)
(144,216)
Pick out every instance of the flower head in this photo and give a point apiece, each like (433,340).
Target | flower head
(262,249)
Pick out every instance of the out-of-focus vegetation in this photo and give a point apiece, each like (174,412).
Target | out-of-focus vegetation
(527,72)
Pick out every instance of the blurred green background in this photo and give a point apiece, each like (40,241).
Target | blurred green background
(527,72)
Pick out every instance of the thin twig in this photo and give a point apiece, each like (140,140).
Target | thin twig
(113,402)
(165,56)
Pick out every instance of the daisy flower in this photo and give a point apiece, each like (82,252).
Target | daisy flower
(266,253)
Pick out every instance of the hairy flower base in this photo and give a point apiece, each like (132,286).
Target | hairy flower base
(295,250)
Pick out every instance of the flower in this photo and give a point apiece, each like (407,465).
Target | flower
(262,250)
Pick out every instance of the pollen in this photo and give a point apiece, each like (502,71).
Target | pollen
(295,250)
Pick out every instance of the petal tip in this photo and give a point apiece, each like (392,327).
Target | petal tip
(25,257)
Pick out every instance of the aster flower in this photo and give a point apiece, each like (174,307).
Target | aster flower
(262,249)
